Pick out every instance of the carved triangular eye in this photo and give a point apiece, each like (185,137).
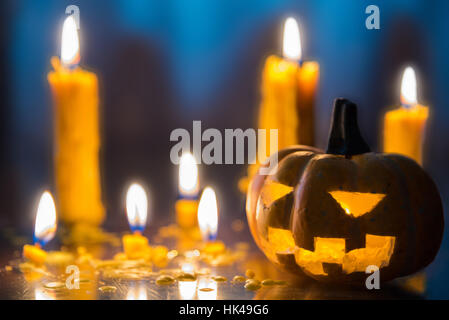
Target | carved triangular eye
(357,204)
(273,191)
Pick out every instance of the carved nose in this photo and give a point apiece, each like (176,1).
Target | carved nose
(356,204)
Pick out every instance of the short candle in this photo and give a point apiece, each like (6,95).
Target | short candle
(208,222)
(186,206)
(44,230)
(135,245)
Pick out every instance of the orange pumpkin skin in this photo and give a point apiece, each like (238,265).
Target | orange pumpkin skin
(409,216)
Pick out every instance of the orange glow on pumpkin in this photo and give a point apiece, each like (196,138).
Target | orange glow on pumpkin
(357,204)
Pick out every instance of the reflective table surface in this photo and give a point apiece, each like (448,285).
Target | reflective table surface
(136,281)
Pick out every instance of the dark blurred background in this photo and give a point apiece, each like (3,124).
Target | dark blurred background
(163,64)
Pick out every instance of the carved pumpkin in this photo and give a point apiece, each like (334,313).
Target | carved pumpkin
(331,215)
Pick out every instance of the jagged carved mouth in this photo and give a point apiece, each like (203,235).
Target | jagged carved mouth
(378,252)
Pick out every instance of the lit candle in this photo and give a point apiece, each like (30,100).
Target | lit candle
(288,92)
(289,87)
(187,204)
(136,245)
(187,289)
(404,127)
(44,229)
(76,134)
(208,222)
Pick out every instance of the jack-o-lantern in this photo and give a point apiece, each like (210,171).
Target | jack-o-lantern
(333,214)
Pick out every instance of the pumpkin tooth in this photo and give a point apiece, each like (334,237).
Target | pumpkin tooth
(330,258)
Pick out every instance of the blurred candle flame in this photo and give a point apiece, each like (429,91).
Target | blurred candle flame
(70,55)
(187,289)
(41,294)
(139,293)
(292,40)
(208,214)
(45,225)
(136,207)
(408,87)
(188,267)
(188,176)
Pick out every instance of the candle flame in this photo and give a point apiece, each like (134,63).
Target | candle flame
(408,87)
(292,40)
(188,176)
(187,289)
(188,267)
(42,294)
(136,207)
(70,43)
(137,293)
(45,225)
(208,214)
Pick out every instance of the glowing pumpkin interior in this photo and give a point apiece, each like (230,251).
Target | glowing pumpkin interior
(378,251)
(356,204)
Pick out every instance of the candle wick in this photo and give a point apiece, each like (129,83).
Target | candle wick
(408,106)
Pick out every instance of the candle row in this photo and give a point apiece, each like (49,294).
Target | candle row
(135,245)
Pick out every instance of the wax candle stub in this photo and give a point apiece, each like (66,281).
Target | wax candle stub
(35,254)
(187,205)
(186,213)
(136,246)
(44,229)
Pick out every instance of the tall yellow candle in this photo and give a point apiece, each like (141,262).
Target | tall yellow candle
(76,134)
(404,127)
(289,86)
(288,92)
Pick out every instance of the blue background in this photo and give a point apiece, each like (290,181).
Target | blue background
(163,64)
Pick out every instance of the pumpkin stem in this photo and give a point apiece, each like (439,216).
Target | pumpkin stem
(344,137)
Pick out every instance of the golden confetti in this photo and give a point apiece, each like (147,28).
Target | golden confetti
(108,289)
(238,279)
(185,276)
(268,282)
(165,280)
(252,285)
(219,279)
(250,274)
